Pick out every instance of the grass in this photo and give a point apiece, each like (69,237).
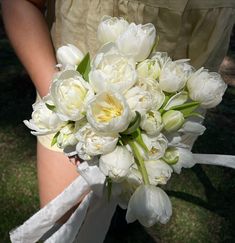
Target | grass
(202,197)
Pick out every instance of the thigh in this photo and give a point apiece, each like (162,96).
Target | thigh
(55,173)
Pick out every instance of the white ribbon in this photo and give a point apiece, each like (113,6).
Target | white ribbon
(35,227)
(69,230)
(216,159)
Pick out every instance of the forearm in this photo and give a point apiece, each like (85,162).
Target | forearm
(30,37)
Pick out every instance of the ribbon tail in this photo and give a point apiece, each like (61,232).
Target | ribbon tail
(36,226)
(97,221)
(215,159)
(69,230)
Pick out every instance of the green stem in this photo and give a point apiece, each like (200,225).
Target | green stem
(140,164)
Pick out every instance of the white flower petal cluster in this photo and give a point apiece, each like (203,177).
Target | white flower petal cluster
(110,28)
(152,86)
(92,143)
(149,205)
(116,164)
(139,100)
(151,68)
(156,145)
(134,41)
(108,112)
(193,127)
(112,70)
(69,55)
(44,121)
(70,94)
(158,171)
(137,41)
(174,75)
(130,111)
(206,87)
(151,123)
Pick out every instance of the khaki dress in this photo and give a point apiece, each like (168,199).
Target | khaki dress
(196,29)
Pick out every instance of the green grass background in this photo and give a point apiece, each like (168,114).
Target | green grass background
(202,197)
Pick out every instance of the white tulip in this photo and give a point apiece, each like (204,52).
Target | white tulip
(137,41)
(111,70)
(149,205)
(66,136)
(44,121)
(153,87)
(139,100)
(206,88)
(151,68)
(110,28)
(70,93)
(160,57)
(185,160)
(116,164)
(174,75)
(148,69)
(108,112)
(156,146)
(151,123)
(69,55)
(93,143)
(192,127)
(187,134)
(158,172)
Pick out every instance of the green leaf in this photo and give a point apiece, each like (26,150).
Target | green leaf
(50,107)
(176,100)
(187,108)
(54,139)
(167,97)
(120,142)
(194,114)
(134,125)
(84,67)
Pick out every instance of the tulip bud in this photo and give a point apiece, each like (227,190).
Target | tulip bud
(172,120)
(171,155)
(66,136)
(69,55)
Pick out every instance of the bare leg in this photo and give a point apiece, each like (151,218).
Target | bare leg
(55,173)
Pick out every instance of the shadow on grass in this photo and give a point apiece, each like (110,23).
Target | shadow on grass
(219,201)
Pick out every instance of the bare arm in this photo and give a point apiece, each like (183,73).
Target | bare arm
(30,37)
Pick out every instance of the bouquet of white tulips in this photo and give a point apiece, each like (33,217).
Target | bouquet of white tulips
(127,111)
